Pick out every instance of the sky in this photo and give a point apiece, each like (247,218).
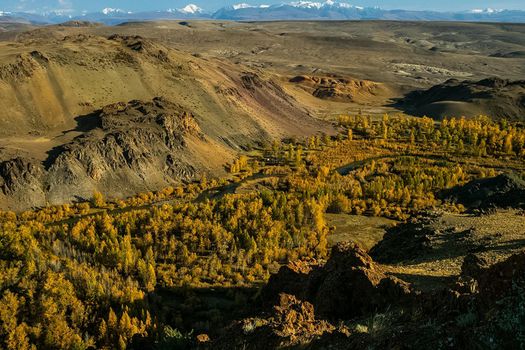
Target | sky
(142,5)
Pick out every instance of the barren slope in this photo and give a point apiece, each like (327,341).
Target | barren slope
(56,83)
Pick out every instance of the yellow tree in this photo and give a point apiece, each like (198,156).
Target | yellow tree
(98,199)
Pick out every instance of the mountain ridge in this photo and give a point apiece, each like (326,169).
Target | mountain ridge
(128,115)
(298,10)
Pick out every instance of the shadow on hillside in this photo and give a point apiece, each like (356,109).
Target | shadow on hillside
(425,282)
(193,311)
(414,244)
(52,156)
(85,123)
(203,309)
(407,103)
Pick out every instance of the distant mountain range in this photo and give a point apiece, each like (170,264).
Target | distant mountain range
(109,16)
(332,10)
(299,10)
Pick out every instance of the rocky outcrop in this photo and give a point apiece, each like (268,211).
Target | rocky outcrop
(24,66)
(291,323)
(473,265)
(497,280)
(144,142)
(17,174)
(349,285)
(406,241)
(295,320)
(352,284)
(340,89)
(293,278)
(136,43)
(482,308)
(22,180)
(251,81)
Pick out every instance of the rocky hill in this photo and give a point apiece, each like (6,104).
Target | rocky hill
(492,96)
(67,128)
(353,302)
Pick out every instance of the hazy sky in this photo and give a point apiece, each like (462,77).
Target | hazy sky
(140,5)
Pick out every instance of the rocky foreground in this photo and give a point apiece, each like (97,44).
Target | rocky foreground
(351,303)
(440,280)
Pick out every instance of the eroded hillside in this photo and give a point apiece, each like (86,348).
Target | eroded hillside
(66,130)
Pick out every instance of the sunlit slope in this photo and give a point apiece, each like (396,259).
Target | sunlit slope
(83,113)
(45,84)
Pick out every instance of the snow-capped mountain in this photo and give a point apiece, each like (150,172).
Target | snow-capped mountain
(191,9)
(247,6)
(485,11)
(320,5)
(108,15)
(7,17)
(296,4)
(110,11)
(340,10)
(294,10)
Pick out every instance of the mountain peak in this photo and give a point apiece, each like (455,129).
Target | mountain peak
(191,9)
(109,11)
(486,11)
